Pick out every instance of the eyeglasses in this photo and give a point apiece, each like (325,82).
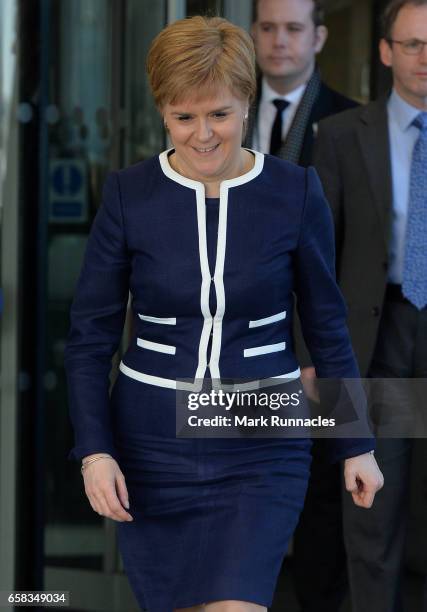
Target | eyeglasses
(413,46)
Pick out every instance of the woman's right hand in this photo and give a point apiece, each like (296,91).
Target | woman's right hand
(363,479)
(105,488)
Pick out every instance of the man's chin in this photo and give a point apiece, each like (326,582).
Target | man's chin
(280,74)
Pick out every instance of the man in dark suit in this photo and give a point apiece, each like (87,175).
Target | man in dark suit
(291,99)
(373,165)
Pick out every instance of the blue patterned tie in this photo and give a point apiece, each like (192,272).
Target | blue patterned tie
(414,286)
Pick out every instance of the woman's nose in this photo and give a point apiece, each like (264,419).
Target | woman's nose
(204,130)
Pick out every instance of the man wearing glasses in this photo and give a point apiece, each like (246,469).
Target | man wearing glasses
(373,165)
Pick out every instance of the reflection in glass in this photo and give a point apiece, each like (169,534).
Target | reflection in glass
(143,128)
(99,115)
(78,119)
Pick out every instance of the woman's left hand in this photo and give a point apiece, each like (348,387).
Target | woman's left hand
(363,478)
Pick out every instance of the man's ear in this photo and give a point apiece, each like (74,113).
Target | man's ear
(386,53)
(321,37)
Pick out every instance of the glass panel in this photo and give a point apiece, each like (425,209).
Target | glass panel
(204,7)
(100,114)
(345,61)
(143,133)
(7,83)
(335,57)
(80,144)
(9,281)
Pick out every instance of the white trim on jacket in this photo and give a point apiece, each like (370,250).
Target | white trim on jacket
(210,322)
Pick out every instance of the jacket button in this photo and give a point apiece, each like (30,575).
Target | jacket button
(212,279)
(375,311)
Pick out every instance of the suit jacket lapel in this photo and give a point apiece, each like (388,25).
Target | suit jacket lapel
(317,113)
(374,142)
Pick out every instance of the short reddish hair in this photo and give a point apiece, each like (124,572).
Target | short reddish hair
(201,53)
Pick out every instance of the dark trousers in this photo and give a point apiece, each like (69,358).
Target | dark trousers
(375,538)
(319,567)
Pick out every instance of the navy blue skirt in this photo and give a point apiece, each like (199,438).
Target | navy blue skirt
(212,518)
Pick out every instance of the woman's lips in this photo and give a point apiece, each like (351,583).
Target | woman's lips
(206,150)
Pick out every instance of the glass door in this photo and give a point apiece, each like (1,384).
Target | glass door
(9,244)
(98,116)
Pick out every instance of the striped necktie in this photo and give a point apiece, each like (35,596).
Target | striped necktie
(414,285)
(276,130)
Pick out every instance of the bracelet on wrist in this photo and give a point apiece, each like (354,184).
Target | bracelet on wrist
(85,464)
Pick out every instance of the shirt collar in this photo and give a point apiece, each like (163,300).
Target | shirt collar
(402,112)
(293,97)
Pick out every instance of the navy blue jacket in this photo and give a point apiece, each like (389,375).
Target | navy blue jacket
(275,237)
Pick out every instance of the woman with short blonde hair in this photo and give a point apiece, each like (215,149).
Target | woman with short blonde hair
(211,240)
(201,55)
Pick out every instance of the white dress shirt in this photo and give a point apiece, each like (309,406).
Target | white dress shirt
(267,114)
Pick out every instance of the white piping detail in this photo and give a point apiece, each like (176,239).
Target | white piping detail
(156,346)
(263,382)
(239,180)
(216,321)
(219,283)
(206,282)
(175,176)
(169,383)
(220,259)
(199,188)
(147,378)
(273,319)
(160,320)
(263,350)
(158,381)
(291,375)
